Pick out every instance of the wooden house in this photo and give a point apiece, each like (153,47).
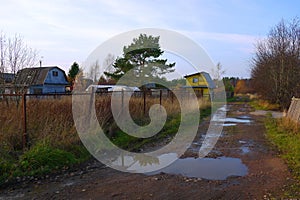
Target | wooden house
(41,80)
(201,83)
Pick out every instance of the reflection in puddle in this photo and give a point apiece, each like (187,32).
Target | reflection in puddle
(142,163)
(206,168)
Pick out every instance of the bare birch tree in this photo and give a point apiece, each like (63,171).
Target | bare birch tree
(217,73)
(2,52)
(2,61)
(19,55)
(94,71)
(108,64)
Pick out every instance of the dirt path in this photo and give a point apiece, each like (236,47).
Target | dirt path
(266,174)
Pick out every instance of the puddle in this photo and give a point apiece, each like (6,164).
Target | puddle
(212,135)
(219,168)
(207,168)
(229,124)
(245,146)
(237,120)
(197,144)
(244,117)
(225,108)
(68,183)
(245,150)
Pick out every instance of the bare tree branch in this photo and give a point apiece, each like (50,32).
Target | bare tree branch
(276,64)
(19,54)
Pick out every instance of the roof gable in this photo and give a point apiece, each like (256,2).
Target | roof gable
(206,76)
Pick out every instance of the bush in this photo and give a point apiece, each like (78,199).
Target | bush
(43,158)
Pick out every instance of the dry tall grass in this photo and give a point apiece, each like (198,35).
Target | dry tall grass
(287,125)
(51,120)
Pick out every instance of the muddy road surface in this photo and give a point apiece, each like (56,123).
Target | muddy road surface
(243,165)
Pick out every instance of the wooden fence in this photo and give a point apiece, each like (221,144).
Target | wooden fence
(294,110)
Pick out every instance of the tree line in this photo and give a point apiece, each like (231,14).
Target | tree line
(276,64)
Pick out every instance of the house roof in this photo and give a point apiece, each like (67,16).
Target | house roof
(211,83)
(33,76)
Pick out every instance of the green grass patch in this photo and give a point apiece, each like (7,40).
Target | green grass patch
(42,158)
(264,105)
(170,129)
(287,140)
(131,143)
(232,99)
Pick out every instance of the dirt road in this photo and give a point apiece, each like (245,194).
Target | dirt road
(241,166)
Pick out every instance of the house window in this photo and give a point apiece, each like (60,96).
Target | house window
(195,80)
(55,73)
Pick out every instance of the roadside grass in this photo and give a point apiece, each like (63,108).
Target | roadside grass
(259,104)
(285,135)
(40,159)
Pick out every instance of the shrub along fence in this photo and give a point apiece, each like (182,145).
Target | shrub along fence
(294,110)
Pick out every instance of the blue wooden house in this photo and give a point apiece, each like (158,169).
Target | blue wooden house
(41,80)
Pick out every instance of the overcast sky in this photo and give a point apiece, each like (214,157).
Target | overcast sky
(64,31)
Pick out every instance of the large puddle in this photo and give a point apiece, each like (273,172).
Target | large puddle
(207,168)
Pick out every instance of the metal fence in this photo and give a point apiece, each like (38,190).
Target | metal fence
(21,100)
(294,110)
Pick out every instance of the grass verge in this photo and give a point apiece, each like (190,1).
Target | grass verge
(264,105)
(285,135)
(42,158)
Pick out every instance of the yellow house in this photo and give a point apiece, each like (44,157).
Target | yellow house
(201,83)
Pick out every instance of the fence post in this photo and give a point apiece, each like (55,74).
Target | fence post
(144,101)
(122,100)
(6,100)
(91,103)
(25,135)
(160,96)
